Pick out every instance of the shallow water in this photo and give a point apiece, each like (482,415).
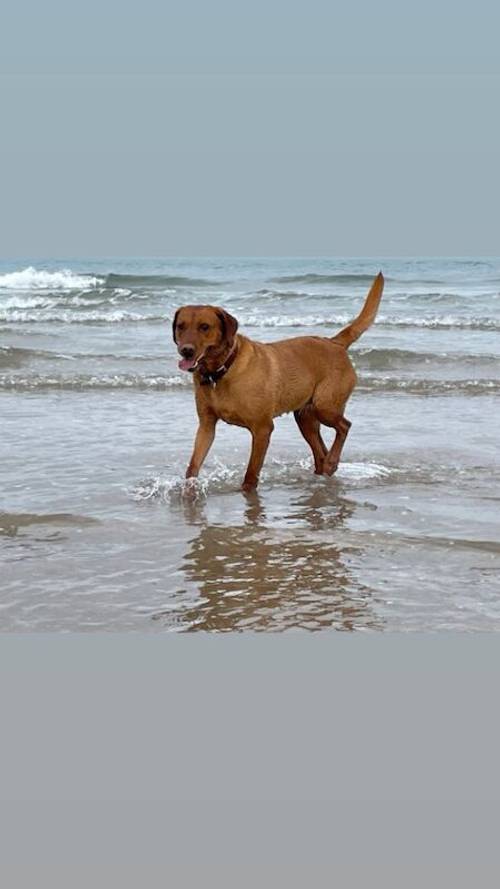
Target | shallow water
(98,529)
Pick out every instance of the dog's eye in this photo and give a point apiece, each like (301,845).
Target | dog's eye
(181,326)
(204,327)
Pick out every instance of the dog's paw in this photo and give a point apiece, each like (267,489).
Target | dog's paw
(191,490)
(247,487)
(329,468)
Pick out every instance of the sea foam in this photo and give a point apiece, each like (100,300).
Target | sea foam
(41,279)
(221,479)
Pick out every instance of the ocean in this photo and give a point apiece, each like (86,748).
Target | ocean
(97,531)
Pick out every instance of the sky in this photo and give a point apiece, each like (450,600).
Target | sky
(236,128)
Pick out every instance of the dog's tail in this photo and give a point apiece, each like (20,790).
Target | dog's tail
(353,331)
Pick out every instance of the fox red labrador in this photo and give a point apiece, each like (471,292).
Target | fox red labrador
(246,383)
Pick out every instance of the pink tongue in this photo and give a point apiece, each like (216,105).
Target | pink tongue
(186,363)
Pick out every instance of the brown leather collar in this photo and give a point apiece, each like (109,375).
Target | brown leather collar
(213,377)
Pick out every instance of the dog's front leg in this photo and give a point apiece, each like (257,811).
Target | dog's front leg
(202,444)
(261,436)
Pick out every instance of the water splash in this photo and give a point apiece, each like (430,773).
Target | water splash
(221,478)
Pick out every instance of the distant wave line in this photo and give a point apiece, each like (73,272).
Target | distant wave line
(370,358)
(446,322)
(88,382)
(94,382)
(113,279)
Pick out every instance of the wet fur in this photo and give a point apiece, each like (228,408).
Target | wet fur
(311,377)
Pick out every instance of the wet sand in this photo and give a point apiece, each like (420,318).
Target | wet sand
(402,539)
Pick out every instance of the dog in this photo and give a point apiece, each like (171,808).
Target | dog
(247,383)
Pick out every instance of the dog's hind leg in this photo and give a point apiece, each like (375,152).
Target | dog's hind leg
(329,401)
(308,423)
(341,426)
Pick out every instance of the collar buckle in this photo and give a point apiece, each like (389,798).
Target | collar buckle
(214,376)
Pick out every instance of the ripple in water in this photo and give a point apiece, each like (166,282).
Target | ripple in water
(225,479)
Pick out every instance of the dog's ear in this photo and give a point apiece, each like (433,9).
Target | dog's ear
(174,325)
(229,324)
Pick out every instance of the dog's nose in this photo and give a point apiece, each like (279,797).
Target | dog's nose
(187,351)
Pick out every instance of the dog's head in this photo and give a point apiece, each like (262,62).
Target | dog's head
(202,332)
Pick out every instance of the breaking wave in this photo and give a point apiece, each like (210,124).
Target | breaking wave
(18,316)
(429,387)
(89,382)
(445,322)
(155,383)
(31,278)
(437,323)
(40,279)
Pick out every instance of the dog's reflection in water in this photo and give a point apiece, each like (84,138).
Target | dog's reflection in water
(264,576)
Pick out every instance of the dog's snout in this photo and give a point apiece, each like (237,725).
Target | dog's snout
(187,351)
